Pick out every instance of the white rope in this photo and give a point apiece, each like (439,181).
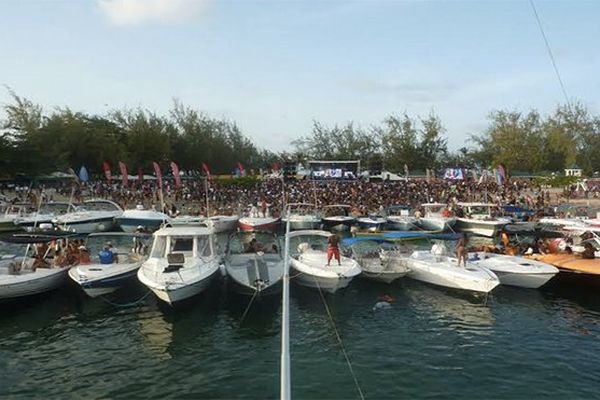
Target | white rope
(339,339)
(248,306)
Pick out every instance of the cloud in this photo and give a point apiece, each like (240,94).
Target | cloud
(137,12)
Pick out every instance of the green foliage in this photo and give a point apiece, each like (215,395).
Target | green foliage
(555,180)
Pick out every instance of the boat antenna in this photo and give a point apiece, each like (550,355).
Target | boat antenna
(550,54)
(285,373)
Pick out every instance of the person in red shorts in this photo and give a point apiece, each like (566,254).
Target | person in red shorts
(333,248)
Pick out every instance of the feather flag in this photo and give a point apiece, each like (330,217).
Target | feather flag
(406,172)
(176,176)
(124,175)
(206,170)
(158,174)
(501,174)
(107,173)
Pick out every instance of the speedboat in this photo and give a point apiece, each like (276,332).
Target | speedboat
(38,271)
(264,224)
(150,220)
(379,260)
(479,219)
(182,263)
(11,214)
(371,223)
(433,218)
(309,263)
(224,223)
(91,216)
(514,270)
(437,268)
(254,263)
(399,218)
(97,278)
(336,217)
(302,216)
(45,215)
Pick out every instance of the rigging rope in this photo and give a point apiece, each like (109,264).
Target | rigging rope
(130,304)
(560,81)
(339,339)
(248,306)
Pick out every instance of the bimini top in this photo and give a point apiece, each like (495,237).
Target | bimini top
(184,231)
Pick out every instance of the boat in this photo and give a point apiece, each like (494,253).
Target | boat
(379,259)
(433,218)
(479,219)
(137,219)
(371,223)
(256,223)
(224,223)
(438,268)
(45,215)
(91,216)
(336,217)
(13,212)
(38,271)
(254,263)
(400,218)
(515,270)
(97,278)
(309,260)
(302,216)
(182,263)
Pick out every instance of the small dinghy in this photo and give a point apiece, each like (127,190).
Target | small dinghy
(310,263)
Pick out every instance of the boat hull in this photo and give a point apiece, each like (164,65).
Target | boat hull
(36,285)
(269,225)
(385,277)
(395,225)
(337,225)
(482,228)
(528,281)
(96,225)
(329,285)
(102,285)
(436,224)
(130,225)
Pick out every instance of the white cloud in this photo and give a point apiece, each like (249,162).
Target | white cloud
(137,12)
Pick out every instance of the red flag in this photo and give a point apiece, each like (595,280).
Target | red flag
(107,173)
(175,170)
(124,175)
(140,176)
(158,174)
(241,169)
(205,169)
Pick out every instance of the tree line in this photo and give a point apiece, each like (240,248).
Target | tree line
(34,141)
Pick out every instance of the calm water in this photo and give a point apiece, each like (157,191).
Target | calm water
(432,343)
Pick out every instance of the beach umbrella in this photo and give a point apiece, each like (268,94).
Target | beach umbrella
(83,174)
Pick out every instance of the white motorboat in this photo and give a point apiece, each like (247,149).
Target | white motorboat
(46,214)
(149,220)
(37,272)
(479,219)
(371,223)
(302,216)
(437,268)
(515,271)
(310,263)
(97,278)
(379,260)
(183,262)
(263,224)
(433,218)
(254,263)
(91,216)
(336,217)
(400,218)
(11,214)
(224,223)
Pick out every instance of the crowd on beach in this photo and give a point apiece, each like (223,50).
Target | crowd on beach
(228,197)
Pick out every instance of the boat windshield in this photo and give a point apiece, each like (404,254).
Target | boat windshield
(99,206)
(160,245)
(266,243)
(55,208)
(479,210)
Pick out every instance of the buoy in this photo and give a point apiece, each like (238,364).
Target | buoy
(381,305)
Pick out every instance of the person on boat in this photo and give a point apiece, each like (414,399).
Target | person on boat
(461,250)
(114,251)
(588,251)
(105,255)
(333,249)
(84,255)
(254,246)
(60,259)
(263,207)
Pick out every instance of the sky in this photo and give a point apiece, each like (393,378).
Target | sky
(275,66)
